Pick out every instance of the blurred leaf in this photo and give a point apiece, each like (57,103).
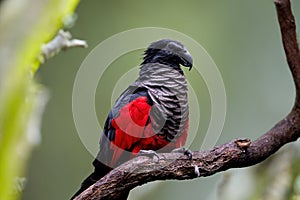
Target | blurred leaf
(25,26)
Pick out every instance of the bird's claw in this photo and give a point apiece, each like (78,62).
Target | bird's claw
(188,153)
(185,152)
(196,171)
(149,153)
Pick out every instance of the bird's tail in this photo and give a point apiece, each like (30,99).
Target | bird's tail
(100,171)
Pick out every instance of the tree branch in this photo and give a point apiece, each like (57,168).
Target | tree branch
(289,40)
(63,40)
(235,154)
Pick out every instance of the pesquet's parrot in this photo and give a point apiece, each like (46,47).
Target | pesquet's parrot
(151,114)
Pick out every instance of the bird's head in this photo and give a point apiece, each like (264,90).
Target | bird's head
(169,52)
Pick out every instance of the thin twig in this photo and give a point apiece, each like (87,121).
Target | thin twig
(289,40)
(62,41)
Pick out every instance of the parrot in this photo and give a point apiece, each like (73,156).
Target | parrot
(152,114)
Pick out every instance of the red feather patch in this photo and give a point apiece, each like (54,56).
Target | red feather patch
(132,133)
(129,126)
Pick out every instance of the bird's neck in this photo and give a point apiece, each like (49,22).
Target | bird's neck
(159,71)
(162,76)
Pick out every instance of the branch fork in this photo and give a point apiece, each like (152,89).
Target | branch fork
(62,41)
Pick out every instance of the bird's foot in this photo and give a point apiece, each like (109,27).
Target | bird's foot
(149,153)
(185,152)
(197,171)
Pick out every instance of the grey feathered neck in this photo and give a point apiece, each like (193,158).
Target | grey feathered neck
(168,89)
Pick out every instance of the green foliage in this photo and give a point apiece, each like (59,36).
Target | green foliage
(19,93)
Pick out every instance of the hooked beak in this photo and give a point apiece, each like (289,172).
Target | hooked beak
(187,59)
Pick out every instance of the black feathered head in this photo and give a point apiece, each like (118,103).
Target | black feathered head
(169,52)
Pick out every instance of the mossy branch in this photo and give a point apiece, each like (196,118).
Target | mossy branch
(24,28)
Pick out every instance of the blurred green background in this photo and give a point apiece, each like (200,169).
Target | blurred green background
(243,39)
